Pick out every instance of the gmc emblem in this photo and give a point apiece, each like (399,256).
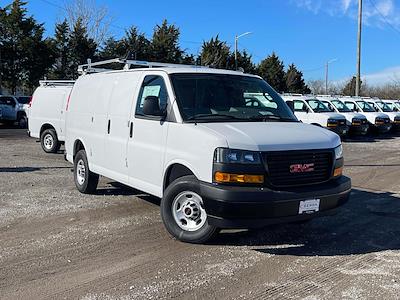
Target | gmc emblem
(301,168)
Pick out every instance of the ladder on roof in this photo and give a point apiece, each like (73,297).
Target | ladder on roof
(91,67)
(56,82)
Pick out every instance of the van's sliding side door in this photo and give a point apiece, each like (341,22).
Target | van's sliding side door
(147,136)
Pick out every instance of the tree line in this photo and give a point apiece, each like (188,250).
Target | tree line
(27,56)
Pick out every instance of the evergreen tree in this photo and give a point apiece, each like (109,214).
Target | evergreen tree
(25,55)
(137,44)
(81,46)
(295,82)
(215,53)
(165,44)
(62,51)
(244,61)
(350,87)
(112,48)
(272,70)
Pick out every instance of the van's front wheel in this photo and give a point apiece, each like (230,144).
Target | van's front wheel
(85,180)
(183,213)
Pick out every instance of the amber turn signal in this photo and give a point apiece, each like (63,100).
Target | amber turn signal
(338,172)
(221,177)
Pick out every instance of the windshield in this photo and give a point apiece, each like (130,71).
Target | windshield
(317,106)
(23,99)
(341,107)
(365,106)
(384,107)
(392,106)
(221,97)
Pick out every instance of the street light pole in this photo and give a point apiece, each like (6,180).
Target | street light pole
(327,72)
(236,46)
(358,78)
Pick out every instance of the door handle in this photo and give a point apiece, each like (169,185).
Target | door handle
(108,126)
(131,130)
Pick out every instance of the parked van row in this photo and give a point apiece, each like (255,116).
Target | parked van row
(346,115)
(220,148)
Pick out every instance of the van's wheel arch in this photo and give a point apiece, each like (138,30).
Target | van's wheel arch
(49,141)
(85,180)
(183,213)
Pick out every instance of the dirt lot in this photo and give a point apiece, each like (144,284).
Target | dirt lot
(57,243)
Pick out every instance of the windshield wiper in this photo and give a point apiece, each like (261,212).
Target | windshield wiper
(271,117)
(206,116)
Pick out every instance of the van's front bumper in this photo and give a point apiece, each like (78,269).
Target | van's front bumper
(252,207)
(359,129)
(339,130)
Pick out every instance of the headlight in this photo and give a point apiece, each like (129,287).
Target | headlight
(339,152)
(224,155)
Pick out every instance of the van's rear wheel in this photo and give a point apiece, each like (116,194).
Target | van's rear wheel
(85,180)
(183,213)
(49,141)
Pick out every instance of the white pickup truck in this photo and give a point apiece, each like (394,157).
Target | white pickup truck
(47,113)
(357,122)
(310,110)
(220,148)
(377,120)
(14,109)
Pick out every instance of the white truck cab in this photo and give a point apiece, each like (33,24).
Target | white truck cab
(310,110)
(377,120)
(358,123)
(220,148)
(14,109)
(382,107)
(47,113)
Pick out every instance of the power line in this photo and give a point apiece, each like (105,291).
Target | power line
(384,17)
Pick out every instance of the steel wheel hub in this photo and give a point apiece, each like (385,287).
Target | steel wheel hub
(188,211)
(48,141)
(80,171)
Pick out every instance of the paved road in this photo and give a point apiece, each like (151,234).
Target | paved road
(57,243)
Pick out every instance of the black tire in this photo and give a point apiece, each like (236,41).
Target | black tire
(87,181)
(179,186)
(49,141)
(23,121)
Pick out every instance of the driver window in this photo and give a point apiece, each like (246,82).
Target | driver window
(300,106)
(153,85)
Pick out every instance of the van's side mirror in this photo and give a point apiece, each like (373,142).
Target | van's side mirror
(151,106)
(291,105)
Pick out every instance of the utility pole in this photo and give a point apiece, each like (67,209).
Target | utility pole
(358,78)
(236,46)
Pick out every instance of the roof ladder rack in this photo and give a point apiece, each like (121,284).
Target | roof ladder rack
(56,82)
(92,67)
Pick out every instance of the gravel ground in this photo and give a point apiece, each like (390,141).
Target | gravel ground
(57,243)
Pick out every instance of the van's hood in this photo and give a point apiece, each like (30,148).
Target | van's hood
(332,115)
(351,115)
(371,116)
(273,136)
(393,115)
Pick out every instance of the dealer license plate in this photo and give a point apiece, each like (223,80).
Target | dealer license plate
(309,206)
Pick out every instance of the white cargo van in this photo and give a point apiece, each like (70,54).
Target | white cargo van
(377,120)
(358,123)
(310,110)
(220,148)
(380,106)
(393,105)
(47,113)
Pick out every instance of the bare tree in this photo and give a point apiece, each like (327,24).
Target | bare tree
(94,18)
